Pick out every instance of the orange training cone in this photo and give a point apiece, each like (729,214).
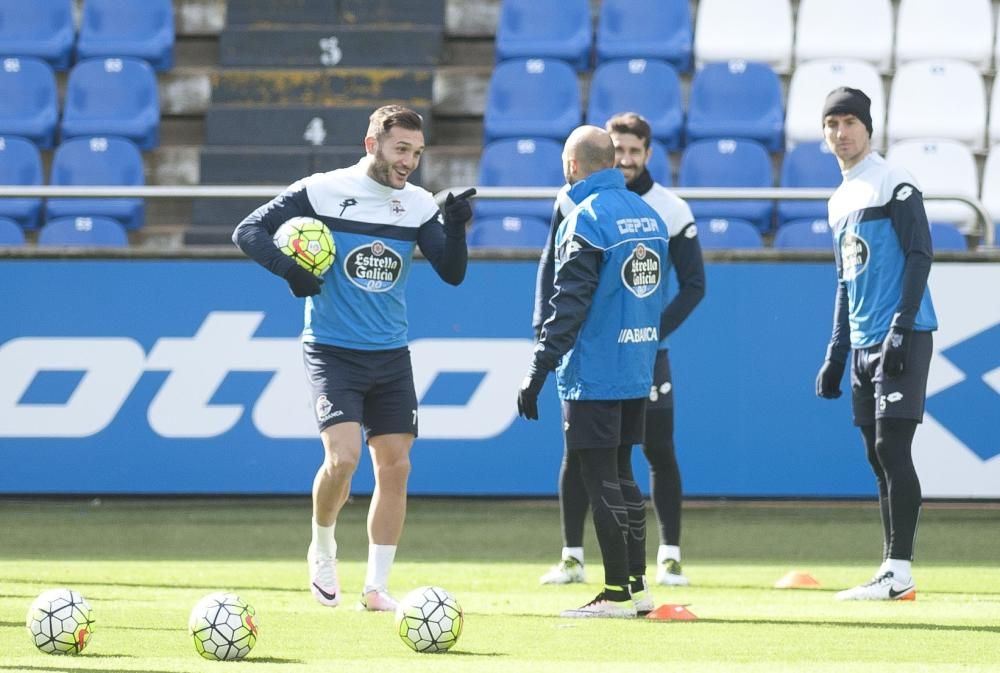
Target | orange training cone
(796,579)
(678,613)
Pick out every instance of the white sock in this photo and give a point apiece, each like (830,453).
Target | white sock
(575,552)
(323,539)
(900,569)
(668,551)
(380,558)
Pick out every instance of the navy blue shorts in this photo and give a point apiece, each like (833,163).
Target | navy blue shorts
(877,396)
(661,395)
(603,424)
(373,388)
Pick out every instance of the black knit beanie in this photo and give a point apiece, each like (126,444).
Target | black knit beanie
(847,101)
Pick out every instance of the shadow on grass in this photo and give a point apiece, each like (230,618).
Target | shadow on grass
(901,626)
(143,585)
(270,660)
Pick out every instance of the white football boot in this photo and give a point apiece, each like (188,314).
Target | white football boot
(323,578)
(377,600)
(883,587)
(567,571)
(603,606)
(669,574)
(642,599)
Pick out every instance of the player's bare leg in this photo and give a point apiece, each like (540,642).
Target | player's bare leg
(391,460)
(331,487)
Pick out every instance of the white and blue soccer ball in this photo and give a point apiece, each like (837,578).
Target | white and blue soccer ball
(429,619)
(60,622)
(223,627)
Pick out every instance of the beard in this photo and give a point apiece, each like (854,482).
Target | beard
(380,170)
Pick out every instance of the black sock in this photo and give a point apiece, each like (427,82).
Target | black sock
(894,437)
(572,500)
(616,592)
(664,474)
(868,433)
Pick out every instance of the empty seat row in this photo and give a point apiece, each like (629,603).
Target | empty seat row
(45,29)
(937,99)
(758,30)
(104,96)
(78,161)
(94,232)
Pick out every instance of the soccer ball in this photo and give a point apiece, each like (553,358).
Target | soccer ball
(309,242)
(60,622)
(223,627)
(429,619)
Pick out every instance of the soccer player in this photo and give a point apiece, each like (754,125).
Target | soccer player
(354,342)
(882,314)
(602,337)
(631,135)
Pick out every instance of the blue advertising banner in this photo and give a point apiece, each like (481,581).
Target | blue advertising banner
(124,376)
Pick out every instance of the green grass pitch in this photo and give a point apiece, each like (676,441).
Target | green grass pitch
(142,564)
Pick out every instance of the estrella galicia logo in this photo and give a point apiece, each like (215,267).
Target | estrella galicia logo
(641,271)
(374,267)
(345,204)
(853,255)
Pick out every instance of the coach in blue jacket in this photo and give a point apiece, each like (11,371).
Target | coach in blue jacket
(601,339)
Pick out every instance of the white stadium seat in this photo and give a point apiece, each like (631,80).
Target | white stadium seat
(991,183)
(938,99)
(943,167)
(807,90)
(994,134)
(827,29)
(752,30)
(960,29)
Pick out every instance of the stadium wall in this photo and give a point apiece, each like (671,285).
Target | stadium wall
(185,377)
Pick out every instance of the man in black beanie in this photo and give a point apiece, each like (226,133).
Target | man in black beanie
(883,317)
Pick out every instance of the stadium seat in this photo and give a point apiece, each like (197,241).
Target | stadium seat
(20,164)
(720,232)
(804,234)
(947,237)
(957,29)
(40,29)
(753,30)
(943,167)
(120,28)
(807,165)
(938,99)
(659,164)
(94,232)
(113,96)
(10,233)
(831,30)
(809,86)
(736,100)
(531,97)
(521,162)
(994,128)
(97,161)
(651,88)
(990,194)
(728,163)
(559,29)
(651,29)
(508,232)
(29,106)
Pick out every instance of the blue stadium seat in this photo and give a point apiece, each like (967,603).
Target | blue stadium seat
(119,28)
(646,29)
(508,232)
(113,97)
(559,29)
(521,162)
(531,97)
(20,164)
(812,165)
(651,88)
(722,232)
(728,163)
(804,234)
(10,232)
(947,237)
(737,99)
(40,28)
(659,164)
(97,161)
(97,232)
(29,106)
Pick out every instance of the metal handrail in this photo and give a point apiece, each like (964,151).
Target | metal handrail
(269,191)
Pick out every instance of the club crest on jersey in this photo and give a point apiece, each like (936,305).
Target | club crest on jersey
(396,206)
(641,271)
(374,267)
(854,255)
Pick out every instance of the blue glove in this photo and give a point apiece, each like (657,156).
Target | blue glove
(527,396)
(828,380)
(894,350)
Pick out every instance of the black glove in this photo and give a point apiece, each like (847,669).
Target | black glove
(457,211)
(828,380)
(894,350)
(527,396)
(301,282)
